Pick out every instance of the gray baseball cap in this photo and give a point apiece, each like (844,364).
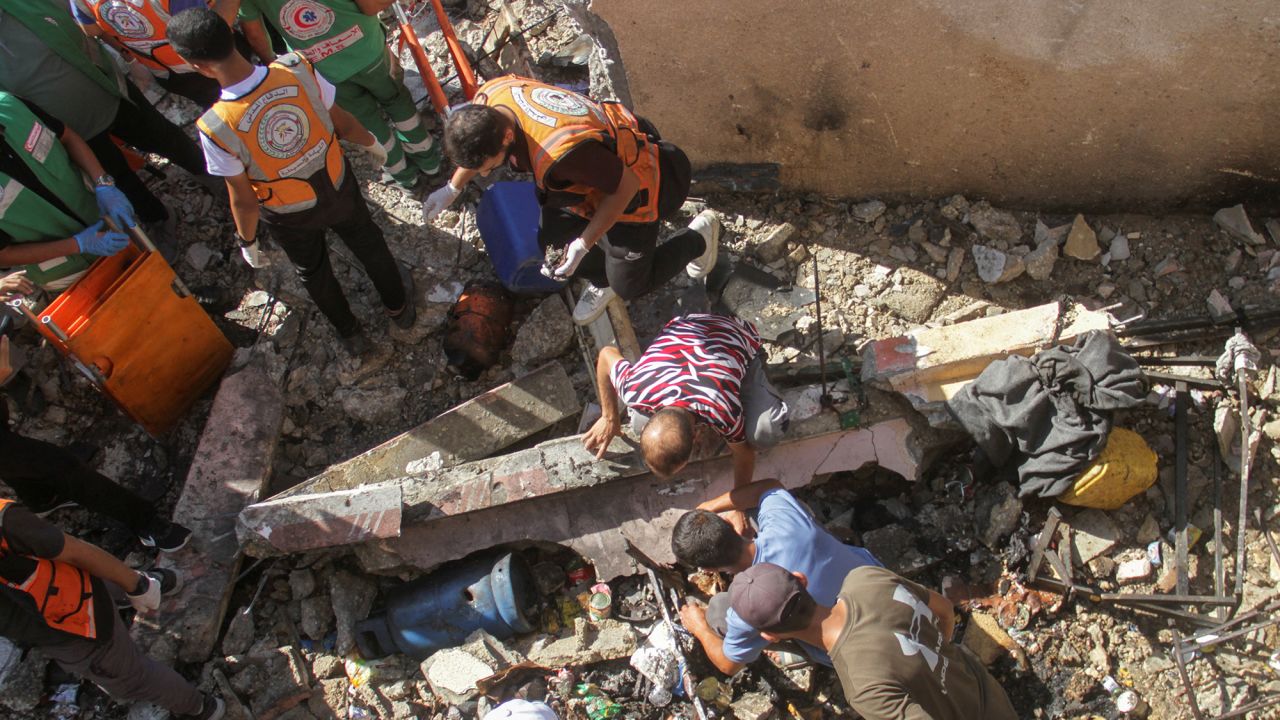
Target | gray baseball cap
(763,594)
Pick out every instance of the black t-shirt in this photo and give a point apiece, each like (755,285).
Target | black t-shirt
(14,166)
(29,536)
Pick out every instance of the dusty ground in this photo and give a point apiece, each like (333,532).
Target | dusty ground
(882,269)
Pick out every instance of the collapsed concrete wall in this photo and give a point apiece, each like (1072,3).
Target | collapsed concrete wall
(1097,104)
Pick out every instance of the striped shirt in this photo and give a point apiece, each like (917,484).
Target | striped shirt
(697,363)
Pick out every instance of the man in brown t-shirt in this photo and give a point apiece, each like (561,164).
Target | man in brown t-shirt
(889,640)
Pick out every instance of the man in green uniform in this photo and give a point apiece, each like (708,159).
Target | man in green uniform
(49,216)
(345,42)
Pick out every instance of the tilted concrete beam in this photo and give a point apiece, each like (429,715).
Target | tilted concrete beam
(229,471)
(557,492)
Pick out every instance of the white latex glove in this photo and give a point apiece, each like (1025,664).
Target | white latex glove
(376,152)
(572,258)
(149,598)
(437,201)
(254,255)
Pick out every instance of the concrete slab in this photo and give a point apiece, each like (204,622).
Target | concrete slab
(230,469)
(475,429)
(1093,533)
(556,492)
(308,522)
(929,365)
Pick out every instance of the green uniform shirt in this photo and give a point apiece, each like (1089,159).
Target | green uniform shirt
(334,35)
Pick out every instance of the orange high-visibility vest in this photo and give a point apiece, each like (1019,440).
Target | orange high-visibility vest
(140,26)
(282,132)
(556,121)
(63,593)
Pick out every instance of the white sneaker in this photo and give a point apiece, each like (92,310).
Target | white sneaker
(592,303)
(708,226)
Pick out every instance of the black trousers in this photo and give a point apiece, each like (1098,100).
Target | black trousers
(302,237)
(142,126)
(628,258)
(38,472)
(193,86)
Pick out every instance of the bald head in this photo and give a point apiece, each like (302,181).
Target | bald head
(667,441)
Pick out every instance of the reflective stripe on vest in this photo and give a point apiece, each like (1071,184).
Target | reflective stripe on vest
(62,593)
(282,133)
(140,26)
(25,215)
(556,121)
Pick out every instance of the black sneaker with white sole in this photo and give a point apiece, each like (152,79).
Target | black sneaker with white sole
(167,538)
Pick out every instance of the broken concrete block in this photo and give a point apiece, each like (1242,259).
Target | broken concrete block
(994,224)
(894,546)
(231,467)
(1040,261)
(955,262)
(1131,571)
(1235,221)
(454,674)
(998,512)
(986,638)
(475,429)
(606,639)
(929,365)
(774,245)
(1093,534)
(545,335)
(868,211)
(1219,306)
(352,597)
(1082,241)
(308,522)
(1119,249)
(317,617)
(1168,266)
(996,266)
(752,706)
(913,296)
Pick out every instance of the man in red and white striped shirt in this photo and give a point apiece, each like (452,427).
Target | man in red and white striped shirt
(700,368)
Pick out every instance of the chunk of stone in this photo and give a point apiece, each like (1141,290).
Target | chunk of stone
(23,686)
(996,266)
(1082,241)
(352,597)
(240,634)
(454,673)
(1093,534)
(914,295)
(1040,261)
(986,638)
(198,256)
(998,513)
(1235,221)
(1132,571)
(1219,306)
(317,617)
(546,334)
(868,211)
(1168,266)
(774,245)
(1119,248)
(607,639)
(955,262)
(993,224)
(752,706)
(894,546)
(301,584)
(371,405)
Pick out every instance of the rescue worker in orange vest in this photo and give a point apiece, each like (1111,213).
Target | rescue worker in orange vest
(273,136)
(56,594)
(136,28)
(604,179)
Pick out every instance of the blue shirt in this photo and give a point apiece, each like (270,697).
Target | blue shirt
(791,538)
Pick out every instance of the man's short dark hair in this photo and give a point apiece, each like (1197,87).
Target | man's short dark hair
(473,134)
(200,34)
(667,441)
(703,539)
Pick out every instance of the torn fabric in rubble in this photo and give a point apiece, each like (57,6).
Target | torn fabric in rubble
(1045,418)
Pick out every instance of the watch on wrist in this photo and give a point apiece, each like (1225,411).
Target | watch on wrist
(104,180)
(241,242)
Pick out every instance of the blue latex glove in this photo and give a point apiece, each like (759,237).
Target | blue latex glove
(93,240)
(113,204)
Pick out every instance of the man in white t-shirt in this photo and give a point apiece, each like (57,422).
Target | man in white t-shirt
(273,135)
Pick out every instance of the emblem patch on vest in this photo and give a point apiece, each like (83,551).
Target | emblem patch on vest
(125,19)
(39,142)
(561,101)
(305,19)
(283,131)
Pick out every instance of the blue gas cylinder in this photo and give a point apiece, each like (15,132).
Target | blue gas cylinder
(508,219)
(443,608)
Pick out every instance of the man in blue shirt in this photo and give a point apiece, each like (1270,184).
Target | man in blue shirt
(788,536)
